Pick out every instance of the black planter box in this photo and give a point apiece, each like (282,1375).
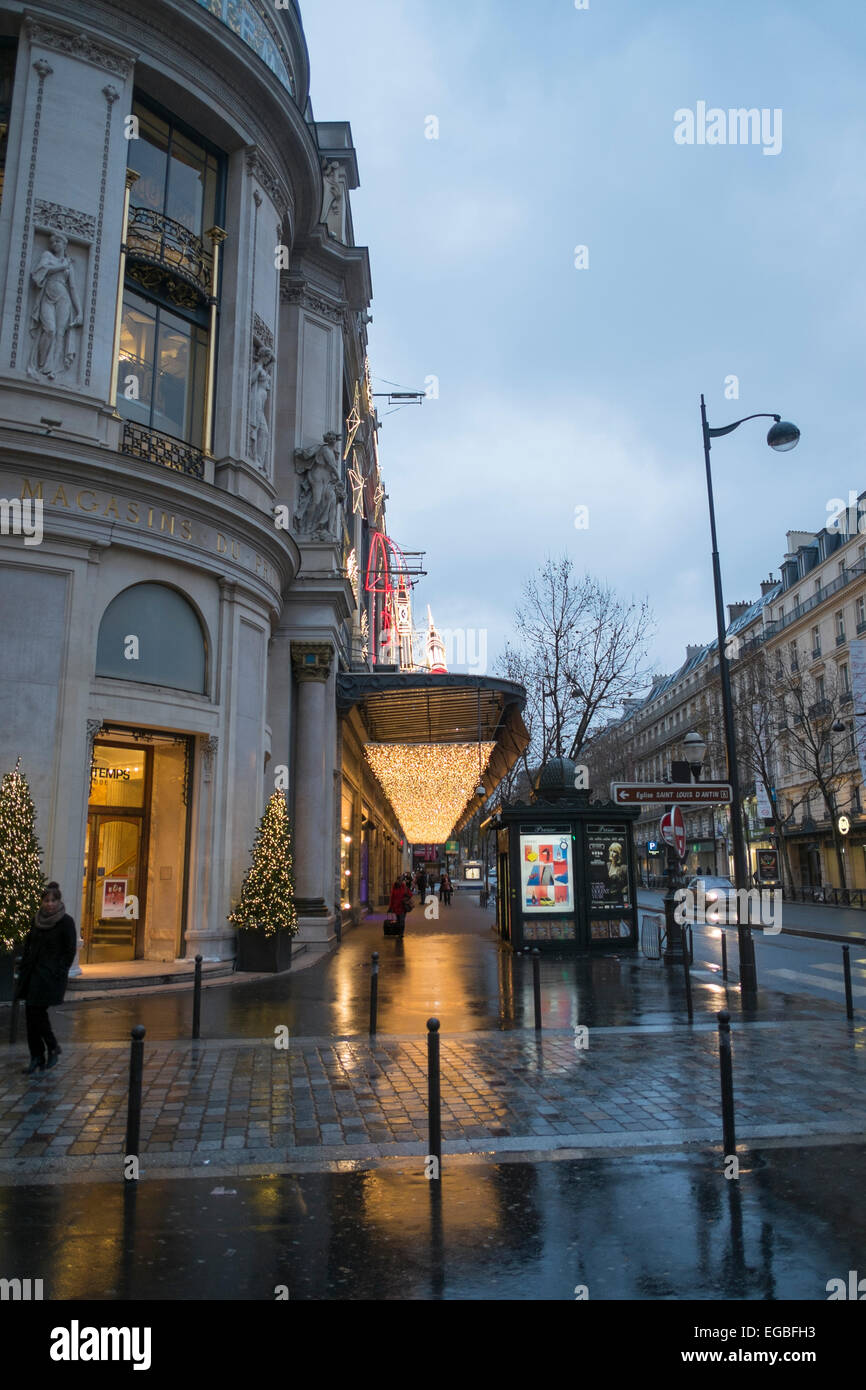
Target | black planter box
(257,952)
(7,968)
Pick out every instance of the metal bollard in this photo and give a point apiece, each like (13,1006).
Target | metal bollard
(536,986)
(133,1112)
(16,1003)
(727,1075)
(687,974)
(196,1000)
(724,956)
(434,1116)
(846,967)
(374,993)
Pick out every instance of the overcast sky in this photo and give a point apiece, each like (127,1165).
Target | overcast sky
(562,387)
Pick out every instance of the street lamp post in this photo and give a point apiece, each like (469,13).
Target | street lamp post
(781,436)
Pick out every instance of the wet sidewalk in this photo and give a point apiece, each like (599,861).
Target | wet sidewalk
(453,968)
(250,1105)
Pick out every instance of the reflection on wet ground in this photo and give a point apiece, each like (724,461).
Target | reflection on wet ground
(658,1226)
(454,968)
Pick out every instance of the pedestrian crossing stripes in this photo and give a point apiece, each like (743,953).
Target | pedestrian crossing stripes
(837,986)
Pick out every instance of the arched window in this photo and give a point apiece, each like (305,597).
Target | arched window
(150,633)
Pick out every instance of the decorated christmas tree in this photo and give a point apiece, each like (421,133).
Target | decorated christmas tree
(267,902)
(21,876)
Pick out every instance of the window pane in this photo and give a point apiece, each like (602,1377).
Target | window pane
(135,377)
(148,156)
(172,378)
(185,201)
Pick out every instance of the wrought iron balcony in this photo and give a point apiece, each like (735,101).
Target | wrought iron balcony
(165,255)
(820,709)
(142,443)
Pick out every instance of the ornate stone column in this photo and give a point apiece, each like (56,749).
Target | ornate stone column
(311,664)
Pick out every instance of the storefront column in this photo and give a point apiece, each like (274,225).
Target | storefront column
(311,663)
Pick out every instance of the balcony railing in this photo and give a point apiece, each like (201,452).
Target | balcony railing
(820,709)
(779,624)
(142,443)
(162,253)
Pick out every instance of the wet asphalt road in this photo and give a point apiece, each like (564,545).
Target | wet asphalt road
(655,1227)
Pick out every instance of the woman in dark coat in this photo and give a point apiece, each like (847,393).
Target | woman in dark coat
(49,950)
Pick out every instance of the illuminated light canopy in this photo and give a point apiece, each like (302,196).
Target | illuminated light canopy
(428,784)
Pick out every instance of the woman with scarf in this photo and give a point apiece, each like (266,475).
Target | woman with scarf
(49,950)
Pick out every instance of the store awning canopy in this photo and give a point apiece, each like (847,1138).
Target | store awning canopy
(432,739)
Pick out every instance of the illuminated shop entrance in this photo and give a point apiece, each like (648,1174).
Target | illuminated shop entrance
(136,848)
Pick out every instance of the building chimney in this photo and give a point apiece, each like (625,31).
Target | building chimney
(736,610)
(767,585)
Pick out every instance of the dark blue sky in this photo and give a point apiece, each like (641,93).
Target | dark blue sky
(561,387)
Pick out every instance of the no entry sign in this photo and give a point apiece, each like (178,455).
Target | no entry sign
(673,829)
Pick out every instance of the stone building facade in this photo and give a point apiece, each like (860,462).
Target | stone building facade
(183,394)
(796,654)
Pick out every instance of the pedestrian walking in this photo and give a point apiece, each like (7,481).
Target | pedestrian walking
(422,885)
(445,890)
(400,902)
(49,950)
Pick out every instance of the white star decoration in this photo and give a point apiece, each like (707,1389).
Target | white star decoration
(356,479)
(353,421)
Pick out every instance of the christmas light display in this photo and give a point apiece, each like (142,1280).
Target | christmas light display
(386,578)
(267,902)
(21,876)
(352,573)
(353,421)
(428,784)
(356,479)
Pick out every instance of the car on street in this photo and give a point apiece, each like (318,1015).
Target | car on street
(717,890)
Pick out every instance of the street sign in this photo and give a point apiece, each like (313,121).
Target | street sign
(844,825)
(673,830)
(682,793)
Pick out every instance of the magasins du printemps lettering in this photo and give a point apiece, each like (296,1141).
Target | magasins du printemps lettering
(135,513)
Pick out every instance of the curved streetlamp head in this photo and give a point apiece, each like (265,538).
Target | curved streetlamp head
(694,749)
(838,727)
(782,436)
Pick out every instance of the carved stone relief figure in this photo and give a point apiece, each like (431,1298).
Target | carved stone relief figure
(260,390)
(321,490)
(332,206)
(56,312)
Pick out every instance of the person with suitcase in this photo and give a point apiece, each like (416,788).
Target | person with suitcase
(400,903)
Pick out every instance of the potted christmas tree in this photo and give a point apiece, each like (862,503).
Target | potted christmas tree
(266,917)
(21,876)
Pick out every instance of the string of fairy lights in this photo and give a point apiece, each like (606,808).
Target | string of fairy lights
(428,784)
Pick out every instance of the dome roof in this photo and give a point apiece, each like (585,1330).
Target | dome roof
(556,778)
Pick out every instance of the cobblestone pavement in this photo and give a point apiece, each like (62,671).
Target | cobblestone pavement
(247,1104)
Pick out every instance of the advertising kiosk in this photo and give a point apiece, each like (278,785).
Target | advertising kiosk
(566,878)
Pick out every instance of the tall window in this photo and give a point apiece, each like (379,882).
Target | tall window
(175,201)
(163,359)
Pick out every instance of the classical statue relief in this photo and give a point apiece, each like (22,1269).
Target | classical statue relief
(56,312)
(321,489)
(332,206)
(260,390)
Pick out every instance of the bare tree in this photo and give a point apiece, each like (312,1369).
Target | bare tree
(818,744)
(760,740)
(580,651)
